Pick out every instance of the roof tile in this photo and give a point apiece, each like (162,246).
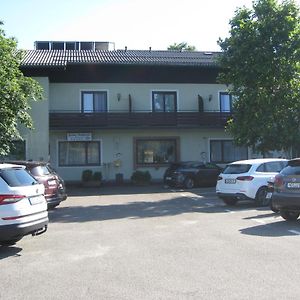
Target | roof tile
(54,58)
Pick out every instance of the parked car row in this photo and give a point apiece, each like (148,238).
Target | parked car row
(27,190)
(248,180)
(266,181)
(273,182)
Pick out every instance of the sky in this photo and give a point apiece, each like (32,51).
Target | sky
(135,24)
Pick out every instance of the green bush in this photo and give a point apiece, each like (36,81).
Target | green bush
(141,177)
(97,176)
(87,175)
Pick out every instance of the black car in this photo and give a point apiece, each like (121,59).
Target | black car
(286,193)
(191,173)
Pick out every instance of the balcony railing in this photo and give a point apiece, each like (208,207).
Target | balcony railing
(68,120)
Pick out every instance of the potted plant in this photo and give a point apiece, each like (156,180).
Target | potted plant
(141,177)
(90,179)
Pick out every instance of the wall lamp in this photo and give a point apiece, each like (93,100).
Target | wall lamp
(119,96)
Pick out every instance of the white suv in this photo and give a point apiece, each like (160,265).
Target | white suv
(23,207)
(248,179)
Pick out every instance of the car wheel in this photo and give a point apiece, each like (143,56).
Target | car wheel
(260,198)
(275,210)
(189,183)
(230,201)
(289,215)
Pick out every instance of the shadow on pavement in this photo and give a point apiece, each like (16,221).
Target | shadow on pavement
(139,209)
(75,191)
(8,251)
(277,229)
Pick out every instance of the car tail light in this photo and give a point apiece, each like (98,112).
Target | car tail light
(245,178)
(278,182)
(220,178)
(8,199)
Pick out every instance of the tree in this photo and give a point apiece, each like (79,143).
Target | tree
(16,91)
(182,46)
(261,66)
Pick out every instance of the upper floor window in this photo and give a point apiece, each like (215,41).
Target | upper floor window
(164,101)
(225,102)
(94,102)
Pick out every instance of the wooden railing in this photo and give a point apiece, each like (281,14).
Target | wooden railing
(74,120)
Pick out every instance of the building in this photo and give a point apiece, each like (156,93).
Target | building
(117,111)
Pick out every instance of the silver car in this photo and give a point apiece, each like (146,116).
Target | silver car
(23,207)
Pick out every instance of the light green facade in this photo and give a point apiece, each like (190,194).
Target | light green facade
(67,96)
(37,139)
(118,144)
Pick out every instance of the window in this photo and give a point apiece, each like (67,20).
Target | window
(271,167)
(156,151)
(164,101)
(94,102)
(237,169)
(79,153)
(16,177)
(223,151)
(225,102)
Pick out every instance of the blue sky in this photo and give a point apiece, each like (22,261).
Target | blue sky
(137,24)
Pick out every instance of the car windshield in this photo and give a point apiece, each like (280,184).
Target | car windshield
(17,177)
(40,171)
(237,169)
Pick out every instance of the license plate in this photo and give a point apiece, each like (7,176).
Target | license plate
(293,185)
(230,181)
(168,178)
(36,200)
(269,196)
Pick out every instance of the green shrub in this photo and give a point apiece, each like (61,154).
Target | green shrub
(141,177)
(97,176)
(87,175)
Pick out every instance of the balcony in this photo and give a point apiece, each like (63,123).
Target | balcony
(70,120)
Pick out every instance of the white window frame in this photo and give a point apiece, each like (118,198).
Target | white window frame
(167,91)
(79,166)
(93,91)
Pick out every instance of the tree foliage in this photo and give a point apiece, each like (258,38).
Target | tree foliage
(182,46)
(16,91)
(261,65)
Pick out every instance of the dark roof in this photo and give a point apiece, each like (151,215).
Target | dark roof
(56,58)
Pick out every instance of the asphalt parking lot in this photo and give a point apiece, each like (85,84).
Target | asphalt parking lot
(154,243)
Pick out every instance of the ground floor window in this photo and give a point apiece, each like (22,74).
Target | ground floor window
(156,151)
(224,151)
(17,151)
(79,153)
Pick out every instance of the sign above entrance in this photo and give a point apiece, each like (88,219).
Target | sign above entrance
(79,137)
